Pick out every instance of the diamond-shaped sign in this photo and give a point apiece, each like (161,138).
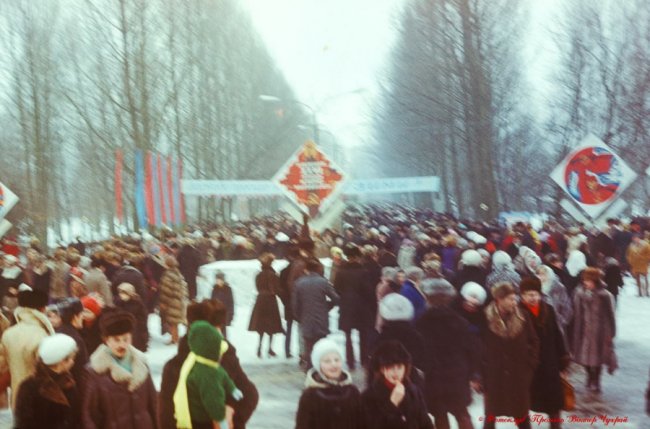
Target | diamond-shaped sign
(310,179)
(593,175)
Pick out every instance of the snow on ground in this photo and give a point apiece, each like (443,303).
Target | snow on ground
(280,381)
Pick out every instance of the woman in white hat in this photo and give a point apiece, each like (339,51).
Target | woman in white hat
(49,398)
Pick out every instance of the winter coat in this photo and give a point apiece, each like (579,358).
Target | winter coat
(284,291)
(638,256)
(173,297)
(81,358)
(449,258)
(449,359)
(547,395)
(357,297)
(10,278)
(97,282)
(324,405)
(18,353)
(417,298)
(594,328)
(189,261)
(265,317)
(313,298)
(470,274)
(613,279)
(558,297)
(129,274)
(224,295)
(141,331)
(229,361)
(406,257)
(387,258)
(384,288)
(48,400)
(57,280)
(114,398)
(380,413)
(511,355)
(39,280)
(405,333)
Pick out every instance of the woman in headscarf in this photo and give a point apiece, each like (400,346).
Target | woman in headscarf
(503,270)
(555,294)
(575,264)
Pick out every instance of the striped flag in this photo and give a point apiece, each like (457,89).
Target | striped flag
(140,194)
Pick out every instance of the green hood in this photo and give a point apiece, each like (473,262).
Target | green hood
(205,340)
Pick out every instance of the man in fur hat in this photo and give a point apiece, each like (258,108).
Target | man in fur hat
(118,392)
(511,350)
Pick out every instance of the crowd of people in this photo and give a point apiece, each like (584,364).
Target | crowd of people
(441,307)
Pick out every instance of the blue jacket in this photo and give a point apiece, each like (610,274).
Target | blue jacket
(410,292)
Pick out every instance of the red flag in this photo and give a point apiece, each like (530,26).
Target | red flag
(170,191)
(119,207)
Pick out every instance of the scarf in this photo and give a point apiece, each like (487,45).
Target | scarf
(181,403)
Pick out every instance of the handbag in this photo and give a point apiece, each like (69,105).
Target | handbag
(569,395)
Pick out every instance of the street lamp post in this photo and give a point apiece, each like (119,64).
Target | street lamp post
(274,99)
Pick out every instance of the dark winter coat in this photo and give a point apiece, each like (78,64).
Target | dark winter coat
(476,319)
(265,317)
(81,358)
(613,279)
(173,297)
(510,359)
(128,274)
(547,395)
(230,362)
(313,298)
(224,295)
(326,406)
(594,328)
(387,258)
(141,331)
(47,400)
(40,282)
(357,297)
(449,359)
(189,262)
(285,290)
(470,274)
(405,333)
(380,413)
(417,298)
(113,398)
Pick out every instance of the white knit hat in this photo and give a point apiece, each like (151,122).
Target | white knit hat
(321,348)
(394,307)
(474,290)
(55,348)
(471,258)
(501,259)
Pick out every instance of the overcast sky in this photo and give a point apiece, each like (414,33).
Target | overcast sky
(328,49)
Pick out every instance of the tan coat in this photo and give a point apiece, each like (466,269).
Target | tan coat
(638,256)
(97,282)
(19,346)
(173,297)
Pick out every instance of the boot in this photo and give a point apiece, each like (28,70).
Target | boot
(259,349)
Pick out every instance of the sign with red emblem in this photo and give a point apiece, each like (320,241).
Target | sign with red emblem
(7,200)
(310,179)
(593,175)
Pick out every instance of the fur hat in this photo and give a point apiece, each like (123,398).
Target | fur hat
(395,307)
(502,290)
(591,273)
(30,298)
(321,348)
(68,308)
(389,353)
(116,322)
(54,348)
(475,291)
(530,283)
(352,251)
(127,288)
(220,275)
(471,258)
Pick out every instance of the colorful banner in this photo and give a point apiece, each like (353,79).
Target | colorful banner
(181,197)
(170,191)
(593,175)
(119,208)
(149,191)
(310,179)
(140,199)
(7,200)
